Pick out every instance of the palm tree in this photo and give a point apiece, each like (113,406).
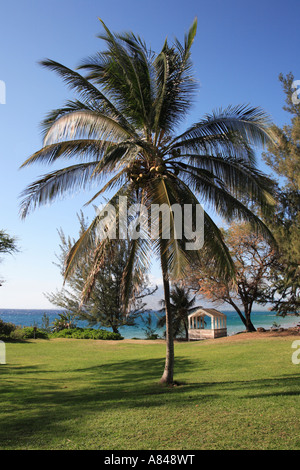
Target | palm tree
(122,131)
(181,305)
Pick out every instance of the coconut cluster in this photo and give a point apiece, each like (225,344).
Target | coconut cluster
(141,171)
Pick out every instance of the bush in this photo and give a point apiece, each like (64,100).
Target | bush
(65,321)
(86,333)
(28,332)
(6,328)
(153,336)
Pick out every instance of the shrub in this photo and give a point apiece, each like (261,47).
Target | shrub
(152,336)
(86,333)
(28,332)
(6,328)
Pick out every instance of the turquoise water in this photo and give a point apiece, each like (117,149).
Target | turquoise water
(234,325)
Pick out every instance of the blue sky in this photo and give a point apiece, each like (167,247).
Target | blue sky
(239,50)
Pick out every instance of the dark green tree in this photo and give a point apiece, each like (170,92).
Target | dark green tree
(284,155)
(124,128)
(104,306)
(284,159)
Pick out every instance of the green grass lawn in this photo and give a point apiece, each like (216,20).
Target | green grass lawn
(85,394)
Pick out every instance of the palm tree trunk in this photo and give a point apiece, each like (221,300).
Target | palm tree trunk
(186,331)
(167,377)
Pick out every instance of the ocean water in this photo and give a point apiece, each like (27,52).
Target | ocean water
(234,325)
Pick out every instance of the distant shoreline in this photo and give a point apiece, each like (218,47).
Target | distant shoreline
(260,319)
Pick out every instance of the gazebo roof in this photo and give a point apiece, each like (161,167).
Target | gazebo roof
(210,312)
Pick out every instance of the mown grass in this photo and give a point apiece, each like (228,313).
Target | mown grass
(86,394)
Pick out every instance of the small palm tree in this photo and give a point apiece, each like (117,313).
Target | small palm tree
(65,321)
(122,131)
(181,304)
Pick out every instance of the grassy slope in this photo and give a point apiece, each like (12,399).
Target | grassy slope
(85,394)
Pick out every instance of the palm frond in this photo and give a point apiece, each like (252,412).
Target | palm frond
(236,175)
(117,180)
(56,184)
(215,249)
(230,145)
(123,73)
(118,155)
(85,149)
(172,244)
(175,84)
(86,90)
(69,107)
(138,262)
(85,124)
(236,125)
(214,246)
(91,237)
(226,205)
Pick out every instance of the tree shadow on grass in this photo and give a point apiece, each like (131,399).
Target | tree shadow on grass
(42,401)
(8,339)
(249,385)
(46,403)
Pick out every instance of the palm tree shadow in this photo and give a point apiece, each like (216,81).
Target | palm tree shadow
(109,388)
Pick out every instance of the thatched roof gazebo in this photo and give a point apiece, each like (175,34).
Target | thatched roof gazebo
(197,324)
